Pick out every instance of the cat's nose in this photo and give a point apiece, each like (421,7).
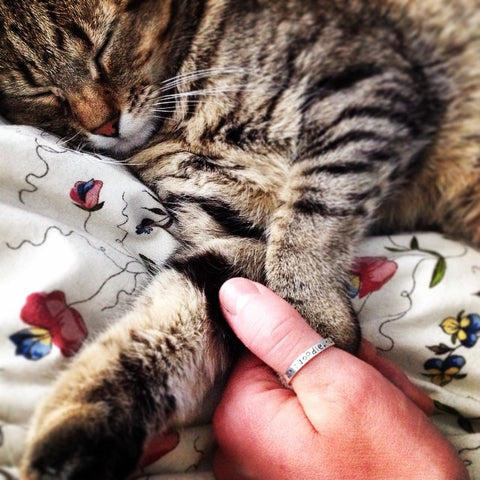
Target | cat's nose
(109,128)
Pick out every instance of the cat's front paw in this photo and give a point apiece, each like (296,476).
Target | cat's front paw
(82,442)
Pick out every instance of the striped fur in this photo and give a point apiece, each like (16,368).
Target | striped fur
(277,133)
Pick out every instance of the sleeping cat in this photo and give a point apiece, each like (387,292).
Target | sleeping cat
(276,133)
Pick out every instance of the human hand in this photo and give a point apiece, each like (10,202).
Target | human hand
(342,419)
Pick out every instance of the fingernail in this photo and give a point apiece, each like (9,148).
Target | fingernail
(235,293)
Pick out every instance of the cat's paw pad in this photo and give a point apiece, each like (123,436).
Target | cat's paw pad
(83,446)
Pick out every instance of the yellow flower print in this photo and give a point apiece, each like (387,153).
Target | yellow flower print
(465,328)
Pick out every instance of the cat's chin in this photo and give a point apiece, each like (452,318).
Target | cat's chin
(133,134)
(117,147)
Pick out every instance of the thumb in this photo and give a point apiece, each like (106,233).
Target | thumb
(276,333)
(273,330)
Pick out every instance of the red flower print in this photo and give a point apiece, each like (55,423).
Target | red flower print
(85,195)
(158,446)
(370,274)
(51,312)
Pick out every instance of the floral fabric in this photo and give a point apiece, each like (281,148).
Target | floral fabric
(79,236)
(425,317)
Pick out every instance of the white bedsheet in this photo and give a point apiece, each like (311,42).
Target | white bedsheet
(77,236)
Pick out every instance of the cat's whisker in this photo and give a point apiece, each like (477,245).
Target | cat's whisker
(108,162)
(163,110)
(174,107)
(80,146)
(197,75)
(173,101)
(202,92)
(206,71)
(67,140)
(173,104)
(189,75)
(161,117)
(170,101)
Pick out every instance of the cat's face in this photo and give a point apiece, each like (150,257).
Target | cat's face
(86,69)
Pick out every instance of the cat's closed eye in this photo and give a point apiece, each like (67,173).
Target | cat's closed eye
(52,94)
(99,60)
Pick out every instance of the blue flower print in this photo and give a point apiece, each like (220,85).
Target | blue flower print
(442,372)
(145,227)
(32,343)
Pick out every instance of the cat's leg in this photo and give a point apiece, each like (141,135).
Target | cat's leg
(344,168)
(153,368)
(310,252)
(149,371)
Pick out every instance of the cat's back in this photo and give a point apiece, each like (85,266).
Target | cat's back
(442,36)
(436,41)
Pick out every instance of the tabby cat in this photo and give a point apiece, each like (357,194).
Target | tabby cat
(276,133)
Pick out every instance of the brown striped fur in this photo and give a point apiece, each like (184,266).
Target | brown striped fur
(277,133)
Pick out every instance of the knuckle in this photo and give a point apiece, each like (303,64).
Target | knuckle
(355,382)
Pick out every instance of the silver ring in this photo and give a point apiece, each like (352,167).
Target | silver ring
(305,357)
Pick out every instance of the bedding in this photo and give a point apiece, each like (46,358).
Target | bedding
(79,236)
